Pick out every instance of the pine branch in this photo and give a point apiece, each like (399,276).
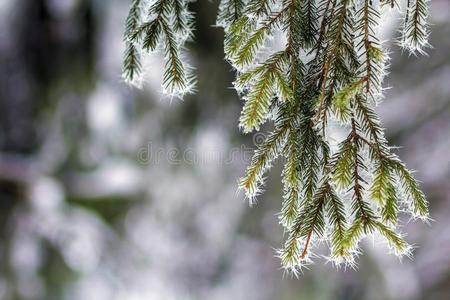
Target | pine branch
(229,12)
(132,61)
(267,79)
(168,23)
(338,221)
(291,182)
(308,19)
(331,68)
(415,31)
(394,239)
(412,190)
(259,7)
(264,155)
(371,54)
(245,51)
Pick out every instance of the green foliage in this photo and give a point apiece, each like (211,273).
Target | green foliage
(343,166)
(338,221)
(167,24)
(229,11)
(266,80)
(132,59)
(268,151)
(330,68)
(415,30)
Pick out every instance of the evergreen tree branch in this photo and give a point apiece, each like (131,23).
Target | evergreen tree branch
(331,68)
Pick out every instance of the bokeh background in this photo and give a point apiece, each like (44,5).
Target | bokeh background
(109,192)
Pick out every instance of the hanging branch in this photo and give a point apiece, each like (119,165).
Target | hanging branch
(331,67)
(168,24)
(415,31)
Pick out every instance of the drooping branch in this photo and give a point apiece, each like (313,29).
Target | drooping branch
(331,67)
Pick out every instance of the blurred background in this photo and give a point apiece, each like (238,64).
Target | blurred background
(110,192)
